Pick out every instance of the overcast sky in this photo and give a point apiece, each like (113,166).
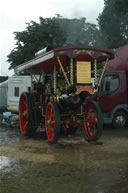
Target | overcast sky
(14,14)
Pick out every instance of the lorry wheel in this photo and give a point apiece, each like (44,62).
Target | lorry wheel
(120,119)
(93,121)
(26,114)
(52,122)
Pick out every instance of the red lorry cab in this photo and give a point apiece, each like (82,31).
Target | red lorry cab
(112,95)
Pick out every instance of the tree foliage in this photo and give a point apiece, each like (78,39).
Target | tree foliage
(35,37)
(56,31)
(113,23)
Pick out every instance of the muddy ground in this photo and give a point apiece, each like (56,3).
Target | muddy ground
(73,166)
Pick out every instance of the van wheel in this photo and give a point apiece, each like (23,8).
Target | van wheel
(120,119)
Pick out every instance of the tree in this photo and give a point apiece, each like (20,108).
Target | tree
(113,23)
(34,38)
(56,31)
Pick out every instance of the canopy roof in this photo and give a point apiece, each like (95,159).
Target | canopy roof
(46,61)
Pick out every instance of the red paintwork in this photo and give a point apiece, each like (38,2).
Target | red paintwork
(67,101)
(86,53)
(50,122)
(88,89)
(120,62)
(90,121)
(23,114)
(108,103)
(118,65)
(80,53)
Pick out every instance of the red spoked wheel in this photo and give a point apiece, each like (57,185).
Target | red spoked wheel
(25,115)
(52,122)
(93,121)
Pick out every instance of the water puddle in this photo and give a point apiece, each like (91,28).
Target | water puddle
(9,135)
(7,163)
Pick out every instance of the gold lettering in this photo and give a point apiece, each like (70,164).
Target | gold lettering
(76,51)
(61,52)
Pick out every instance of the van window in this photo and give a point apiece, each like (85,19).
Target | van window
(111,84)
(16,91)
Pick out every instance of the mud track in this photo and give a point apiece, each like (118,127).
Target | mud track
(72,166)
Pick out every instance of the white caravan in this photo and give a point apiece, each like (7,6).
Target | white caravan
(3,94)
(16,85)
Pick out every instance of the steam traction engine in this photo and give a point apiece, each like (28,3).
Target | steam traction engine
(58,98)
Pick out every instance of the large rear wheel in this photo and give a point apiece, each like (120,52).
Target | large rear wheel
(93,121)
(52,122)
(26,115)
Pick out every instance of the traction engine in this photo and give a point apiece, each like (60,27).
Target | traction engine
(58,98)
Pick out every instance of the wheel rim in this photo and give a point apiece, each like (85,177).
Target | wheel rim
(120,120)
(50,122)
(23,114)
(91,121)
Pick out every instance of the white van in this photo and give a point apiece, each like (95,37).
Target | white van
(3,94)
(16,85)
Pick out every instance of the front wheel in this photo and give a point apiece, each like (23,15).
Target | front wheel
(52,122)
(93,121)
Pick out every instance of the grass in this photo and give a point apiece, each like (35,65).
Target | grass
(37,179)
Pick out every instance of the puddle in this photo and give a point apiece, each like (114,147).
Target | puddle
(7,163)
(9,135)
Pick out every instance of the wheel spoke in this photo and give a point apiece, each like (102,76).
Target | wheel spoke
(50,114)
(25,114)
(25,125)
(25,104)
